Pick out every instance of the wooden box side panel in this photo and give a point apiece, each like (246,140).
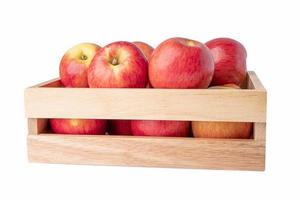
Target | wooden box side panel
(163,104)
(148,152)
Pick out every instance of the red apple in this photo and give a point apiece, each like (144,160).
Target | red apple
(145,48)
(147,51)
(118,65)
(78,126)
(74,65)
(230,61)
(160,128)
(231,130)
(120,127)
(181,63)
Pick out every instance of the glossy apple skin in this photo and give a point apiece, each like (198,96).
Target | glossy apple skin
(145,48)
(230,61)
(128,71)
(181,63)
(74,64)
(120,127)
(226,130)
(160,128)
(147,51)
(78,126)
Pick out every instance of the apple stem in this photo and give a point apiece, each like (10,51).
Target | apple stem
(83,57)
(114,61)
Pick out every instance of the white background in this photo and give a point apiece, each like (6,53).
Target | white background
(34,36)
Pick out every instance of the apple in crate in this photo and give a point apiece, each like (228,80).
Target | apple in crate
(230,61)
(120,127)
(225,86)
(232,130)
(147,51)
(74,65)
(118,65)
(160,128)
(145,48)
(78,126)
(181,63)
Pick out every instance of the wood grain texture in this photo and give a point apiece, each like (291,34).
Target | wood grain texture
(147,151)
(164,104)
(47,100)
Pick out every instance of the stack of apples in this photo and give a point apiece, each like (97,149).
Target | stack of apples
(175,63)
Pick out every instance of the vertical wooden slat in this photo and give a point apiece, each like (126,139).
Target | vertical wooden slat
(254,82)
(259,128)
(259,131)
(36,126)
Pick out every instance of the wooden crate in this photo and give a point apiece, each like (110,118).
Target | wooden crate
(49,100)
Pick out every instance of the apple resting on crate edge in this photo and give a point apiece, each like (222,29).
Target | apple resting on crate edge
(181,63)
(145,48)
(74,64)
(160,128)
(230,61)
(118,65)
(230,130)
(78,126)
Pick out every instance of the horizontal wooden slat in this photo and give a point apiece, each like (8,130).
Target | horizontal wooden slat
(164,104)
(147,151)
(46,100)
